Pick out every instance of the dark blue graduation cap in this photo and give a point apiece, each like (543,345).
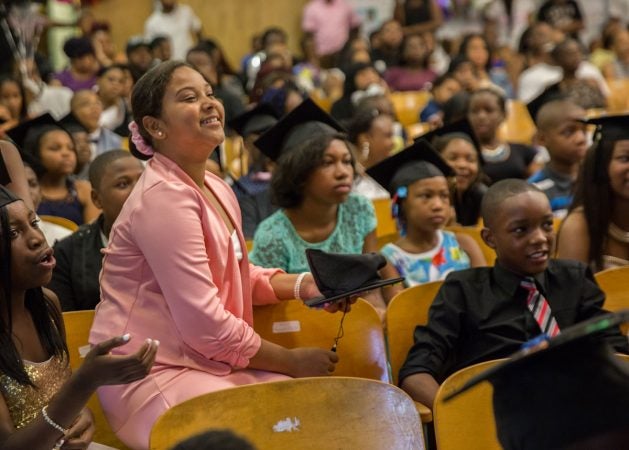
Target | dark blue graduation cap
(569,390)
(257,120)
(301,124)
(416,162)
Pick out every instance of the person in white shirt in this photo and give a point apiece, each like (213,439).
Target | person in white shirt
(178,22)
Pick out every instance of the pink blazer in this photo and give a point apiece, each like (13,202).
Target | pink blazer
(170,273)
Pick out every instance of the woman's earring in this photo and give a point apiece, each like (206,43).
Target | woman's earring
(364,151)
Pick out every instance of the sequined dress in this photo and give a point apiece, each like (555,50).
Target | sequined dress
(25,402)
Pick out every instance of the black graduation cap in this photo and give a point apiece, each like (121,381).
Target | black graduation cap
(71,123)
(461,126)
(610,127)
(6,197)
(19,133)
(302,123)
(548,95)
(256,120)
(339,276)
(570,389)
(416,162)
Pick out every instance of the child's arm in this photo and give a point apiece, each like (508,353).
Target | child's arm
(15,168)
(422,388)
(99,368)
(389,271)
(374,297)
(90,212)
(469,246)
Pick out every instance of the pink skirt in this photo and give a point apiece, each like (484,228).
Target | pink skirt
(132,409)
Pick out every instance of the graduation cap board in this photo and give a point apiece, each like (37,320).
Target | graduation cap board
(5,178)
(462,126)
(19,133)
(566,390)
(256,120)
(610,127)
(339,276)
(416,162)
(303,123)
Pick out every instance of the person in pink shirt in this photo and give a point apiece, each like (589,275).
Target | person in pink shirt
(331,22)
(176,267)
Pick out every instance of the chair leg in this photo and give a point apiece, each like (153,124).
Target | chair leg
(429,436)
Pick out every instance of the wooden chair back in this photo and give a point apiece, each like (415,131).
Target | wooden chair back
(405,311)
(408,105)
(61,221)
(615,283)
(386,223)
(518,126)
(361,349)
(306,413)
(77,325)
(467,421)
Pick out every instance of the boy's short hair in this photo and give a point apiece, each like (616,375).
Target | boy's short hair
(442,79)
(498,193)
(215,440)
(100,164)
(553,112)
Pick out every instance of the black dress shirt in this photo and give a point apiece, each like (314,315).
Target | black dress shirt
(75,278)
(481,314)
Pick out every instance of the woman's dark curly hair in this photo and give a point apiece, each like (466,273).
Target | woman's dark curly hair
(295,166)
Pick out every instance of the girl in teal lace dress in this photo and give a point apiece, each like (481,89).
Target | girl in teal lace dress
(312,185)
(42,405)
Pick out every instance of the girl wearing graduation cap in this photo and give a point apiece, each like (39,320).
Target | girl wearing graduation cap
(42,405)
(596,230)
(176,267)
(416,178)
(312,184)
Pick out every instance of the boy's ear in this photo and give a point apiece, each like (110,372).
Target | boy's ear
(488,237)
(96,199)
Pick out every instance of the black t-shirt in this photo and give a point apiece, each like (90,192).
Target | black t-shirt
(512,165)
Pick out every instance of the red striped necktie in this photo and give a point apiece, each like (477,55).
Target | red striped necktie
(539,307)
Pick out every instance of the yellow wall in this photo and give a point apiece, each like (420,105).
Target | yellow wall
(231,22)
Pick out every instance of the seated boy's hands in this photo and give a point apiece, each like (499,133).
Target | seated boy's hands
(101,368)
(81,432)
(312,362)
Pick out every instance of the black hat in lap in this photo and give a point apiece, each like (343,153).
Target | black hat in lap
(301,124)
(571,392)
(257,120)
(339,276)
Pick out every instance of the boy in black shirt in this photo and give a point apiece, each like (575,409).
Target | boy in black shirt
(488,313)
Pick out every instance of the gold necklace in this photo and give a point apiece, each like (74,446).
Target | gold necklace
(617,233)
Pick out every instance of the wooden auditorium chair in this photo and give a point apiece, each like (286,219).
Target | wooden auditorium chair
(361,349)
(77,325)
(405,311)
(306,413)
(466,421)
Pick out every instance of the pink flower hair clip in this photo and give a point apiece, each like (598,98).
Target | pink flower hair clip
(140,144)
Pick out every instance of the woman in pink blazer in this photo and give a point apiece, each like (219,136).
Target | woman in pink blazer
(176,268)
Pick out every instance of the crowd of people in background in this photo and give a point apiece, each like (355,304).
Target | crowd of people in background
(296,188)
